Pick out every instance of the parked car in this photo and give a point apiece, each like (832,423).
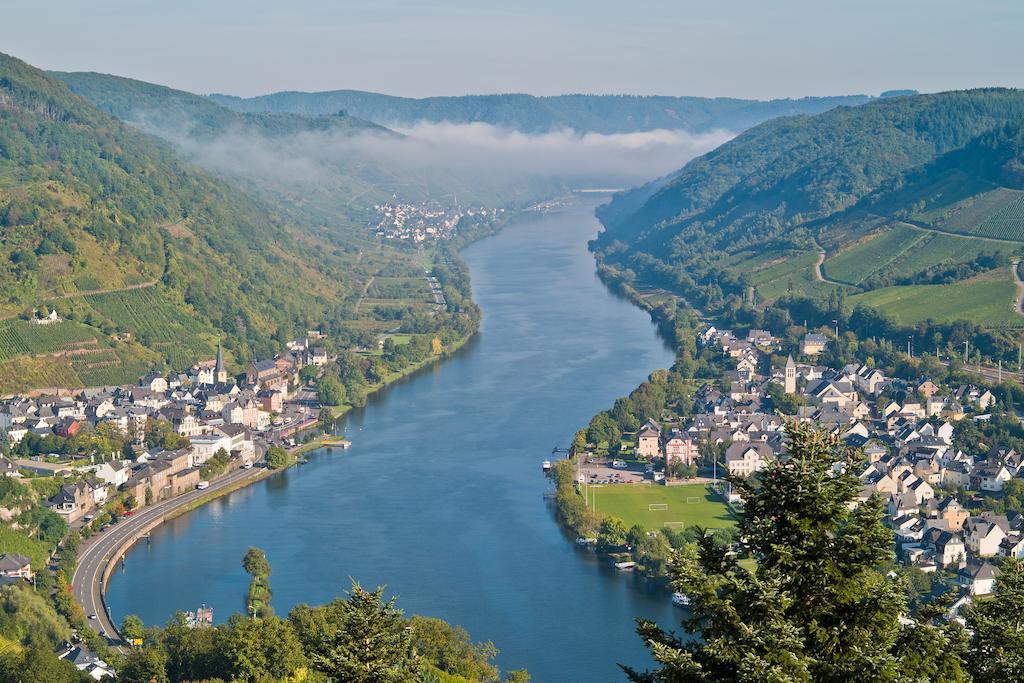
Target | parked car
(203,485)
(619,464)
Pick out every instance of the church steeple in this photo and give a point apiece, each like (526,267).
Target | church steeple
(220,375)
(789,379)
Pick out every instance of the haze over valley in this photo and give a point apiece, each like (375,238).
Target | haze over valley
(477,343)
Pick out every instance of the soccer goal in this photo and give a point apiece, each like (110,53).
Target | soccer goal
(674,525)
(652,507)
(692,499)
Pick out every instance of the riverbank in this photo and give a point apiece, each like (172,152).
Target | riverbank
(445,464)
(102,555)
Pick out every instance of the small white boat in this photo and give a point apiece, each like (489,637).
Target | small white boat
(546,465)
(586,541)
(680,599)
(625,566)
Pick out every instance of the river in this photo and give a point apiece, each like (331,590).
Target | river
(441,495)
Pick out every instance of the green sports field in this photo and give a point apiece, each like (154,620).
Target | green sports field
(630,503)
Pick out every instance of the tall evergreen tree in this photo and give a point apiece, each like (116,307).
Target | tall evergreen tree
(996,652)
(817,607)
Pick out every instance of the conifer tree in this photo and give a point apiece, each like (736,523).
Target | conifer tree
(818,606)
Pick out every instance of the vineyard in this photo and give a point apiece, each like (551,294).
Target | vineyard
(774,273)
(986,300)
(998,214)
(400,288)
(21,337)
(146,314)
(902,251)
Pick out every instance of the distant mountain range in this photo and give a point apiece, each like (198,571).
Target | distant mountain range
(906,168)
(531,114)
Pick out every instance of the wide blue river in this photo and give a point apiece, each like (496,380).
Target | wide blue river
(441,496)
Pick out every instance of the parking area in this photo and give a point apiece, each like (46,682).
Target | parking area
(600,473)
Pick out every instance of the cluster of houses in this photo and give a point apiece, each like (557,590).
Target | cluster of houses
(423,221)
(206,406)
(910,454)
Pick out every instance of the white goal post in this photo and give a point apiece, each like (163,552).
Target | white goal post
(674,525)
(693,499)
(651,507)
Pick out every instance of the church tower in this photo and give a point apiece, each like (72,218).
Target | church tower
(220,375)
(790,382)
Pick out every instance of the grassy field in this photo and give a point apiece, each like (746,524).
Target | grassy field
(987,300)
(631,505)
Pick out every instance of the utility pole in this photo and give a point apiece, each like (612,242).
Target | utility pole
(967,353)
(1000,375)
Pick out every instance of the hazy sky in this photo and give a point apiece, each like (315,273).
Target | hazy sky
(745,48)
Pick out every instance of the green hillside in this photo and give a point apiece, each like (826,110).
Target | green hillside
(148,260)
(906,191)
(585,113)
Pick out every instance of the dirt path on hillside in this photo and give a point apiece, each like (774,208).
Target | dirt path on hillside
(363,295)
(1018,305)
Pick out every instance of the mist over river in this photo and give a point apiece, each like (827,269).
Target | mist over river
(441,495)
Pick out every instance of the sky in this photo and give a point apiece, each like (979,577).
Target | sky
(741,48)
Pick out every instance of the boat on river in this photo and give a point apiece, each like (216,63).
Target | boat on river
(680,599)
(546,465)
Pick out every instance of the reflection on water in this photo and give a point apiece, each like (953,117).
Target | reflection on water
(441,495)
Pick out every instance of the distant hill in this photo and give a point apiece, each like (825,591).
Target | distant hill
(325,166)
(885,188)
(531,114)
(112,229)
(158,107)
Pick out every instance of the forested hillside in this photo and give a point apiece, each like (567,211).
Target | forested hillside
(148,260)
(159,107)
(875,189)
(527,113)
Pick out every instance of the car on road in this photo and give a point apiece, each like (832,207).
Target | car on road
(93,616)
(247,466)
(619,464)
(203,485)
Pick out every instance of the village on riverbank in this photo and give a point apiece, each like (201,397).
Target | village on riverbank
(942,451)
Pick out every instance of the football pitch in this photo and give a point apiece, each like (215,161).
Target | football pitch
(656,507)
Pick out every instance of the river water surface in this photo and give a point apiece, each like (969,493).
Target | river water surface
(441,495)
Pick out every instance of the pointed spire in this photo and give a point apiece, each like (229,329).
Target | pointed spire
(218,369)
(790,363)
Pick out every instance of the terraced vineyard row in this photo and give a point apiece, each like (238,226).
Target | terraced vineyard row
(1007,223)
(144,313)
(20,337)
(998,213)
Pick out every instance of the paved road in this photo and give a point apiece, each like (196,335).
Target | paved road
(96,553)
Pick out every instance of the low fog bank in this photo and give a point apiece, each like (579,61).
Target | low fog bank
(474,159)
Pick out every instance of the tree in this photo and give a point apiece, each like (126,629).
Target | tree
(996,651)
(132,627)
(612,534)
(255,562)
(277,458)
(145,665)
(360,638)
(450,649)
(816,607)
(262,649)
(330,391)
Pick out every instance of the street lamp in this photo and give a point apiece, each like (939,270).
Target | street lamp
(836,323)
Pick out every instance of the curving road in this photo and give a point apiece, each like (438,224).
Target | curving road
(99,551)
